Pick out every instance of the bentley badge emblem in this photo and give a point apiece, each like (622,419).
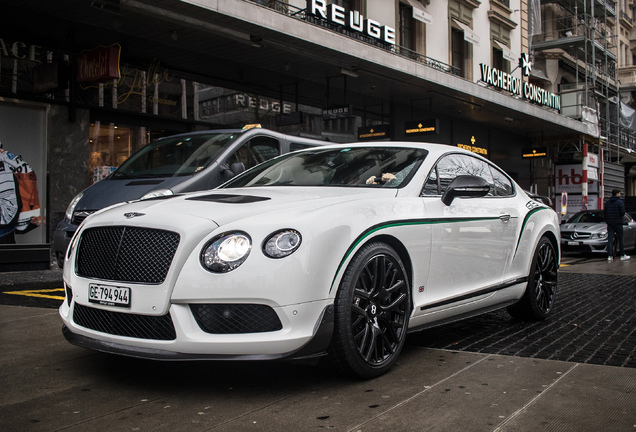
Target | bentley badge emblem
(133,214)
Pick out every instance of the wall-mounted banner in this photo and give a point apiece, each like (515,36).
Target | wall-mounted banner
(540,152)
(569,178)
(376,132)
(419,13)
(517,87)
(592,160)
(424,127)
(99,64)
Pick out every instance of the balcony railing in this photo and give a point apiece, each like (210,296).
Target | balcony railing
(626,17)
(300,14)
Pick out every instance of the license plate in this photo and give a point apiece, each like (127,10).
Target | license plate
(109,295)
(573,243)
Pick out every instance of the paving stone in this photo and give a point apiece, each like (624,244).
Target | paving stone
(594,322)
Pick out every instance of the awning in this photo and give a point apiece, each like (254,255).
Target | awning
(469,35)
(507,54)
(419,13)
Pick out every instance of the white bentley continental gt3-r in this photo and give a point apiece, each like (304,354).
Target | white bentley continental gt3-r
(336,251)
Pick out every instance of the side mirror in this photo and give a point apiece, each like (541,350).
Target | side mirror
(465,186)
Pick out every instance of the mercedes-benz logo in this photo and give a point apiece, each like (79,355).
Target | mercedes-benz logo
(574,235)
(133,214)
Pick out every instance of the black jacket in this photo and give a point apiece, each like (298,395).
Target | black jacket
(614,211)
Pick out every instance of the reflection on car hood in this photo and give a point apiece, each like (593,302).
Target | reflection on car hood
(223,206)
(587,226)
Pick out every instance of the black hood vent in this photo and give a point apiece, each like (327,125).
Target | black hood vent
(229,199)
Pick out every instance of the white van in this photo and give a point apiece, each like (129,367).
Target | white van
(179,163)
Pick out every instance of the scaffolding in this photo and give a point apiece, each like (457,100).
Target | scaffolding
(581,34)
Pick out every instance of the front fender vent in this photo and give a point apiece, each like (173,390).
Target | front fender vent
(235,318)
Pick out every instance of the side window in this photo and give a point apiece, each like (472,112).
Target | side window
(503,186)
(453,165)
(431,187)
(241,155)
(264,148)
(257,150)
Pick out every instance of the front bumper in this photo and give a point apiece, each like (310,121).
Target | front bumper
(584,246)
(306,332)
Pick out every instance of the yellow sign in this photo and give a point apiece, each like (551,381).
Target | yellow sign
(534,153)
(251,126)
(474,149)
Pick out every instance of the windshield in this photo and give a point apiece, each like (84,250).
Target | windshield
(175,156)
(588,217)
(351,166)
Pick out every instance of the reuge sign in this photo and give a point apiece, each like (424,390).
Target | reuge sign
(347,22)
(516,86)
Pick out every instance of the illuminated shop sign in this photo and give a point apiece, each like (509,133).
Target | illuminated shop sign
(351,23)
(517,87)
(473,148)
(343,111)
(534,153)
(426,127)
(98,65)
(374,132)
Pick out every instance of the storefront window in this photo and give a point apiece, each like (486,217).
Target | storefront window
(111,144)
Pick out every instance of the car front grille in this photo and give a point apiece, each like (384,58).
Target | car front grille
(125,324)
(126,254)
(79,216)
(570,235)
(235,318)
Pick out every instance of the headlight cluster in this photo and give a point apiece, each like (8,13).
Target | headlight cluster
(601,235)
(227,251)
(282,243)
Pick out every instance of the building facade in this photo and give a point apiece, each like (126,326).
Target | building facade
(83,85)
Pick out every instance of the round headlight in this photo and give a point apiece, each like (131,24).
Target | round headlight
(226,252)
(282,243)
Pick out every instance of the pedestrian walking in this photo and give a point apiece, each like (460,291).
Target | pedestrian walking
(614,213)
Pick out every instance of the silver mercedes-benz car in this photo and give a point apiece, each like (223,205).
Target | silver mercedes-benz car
(586,232)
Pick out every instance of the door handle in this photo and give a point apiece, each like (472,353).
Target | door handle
(505,218)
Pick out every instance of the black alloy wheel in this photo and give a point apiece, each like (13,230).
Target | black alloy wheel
(373,306)
(538,300)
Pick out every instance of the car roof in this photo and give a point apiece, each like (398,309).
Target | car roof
(204,132)
(434,149)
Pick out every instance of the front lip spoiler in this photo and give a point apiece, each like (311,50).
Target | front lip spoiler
(316,347)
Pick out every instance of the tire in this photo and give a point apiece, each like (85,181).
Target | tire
(537,302)
(373,306)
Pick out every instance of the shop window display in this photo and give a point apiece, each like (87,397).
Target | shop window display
(111,144)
